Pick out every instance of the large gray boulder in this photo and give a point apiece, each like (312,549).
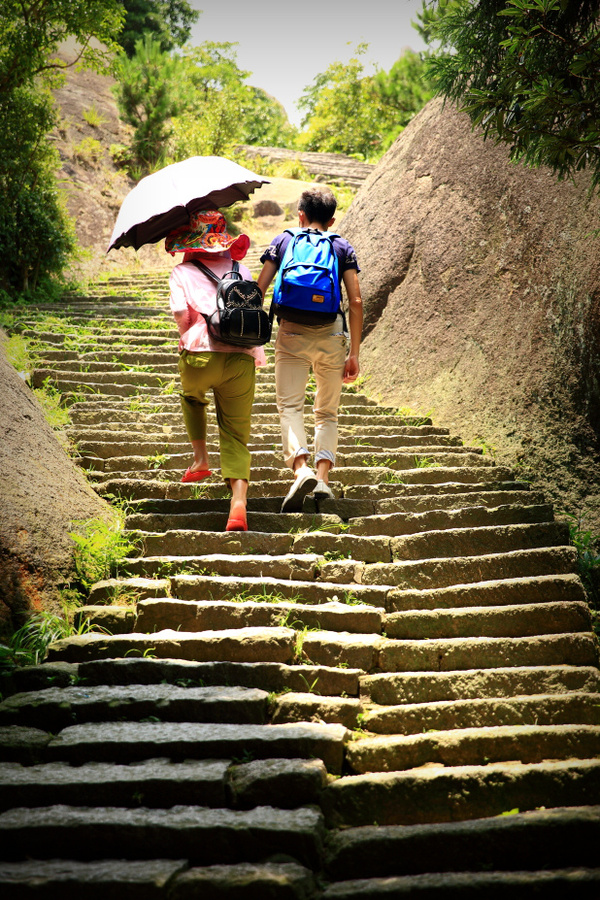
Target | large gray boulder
(42,492)
(481,281)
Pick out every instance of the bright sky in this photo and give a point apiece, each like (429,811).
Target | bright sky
(285,45)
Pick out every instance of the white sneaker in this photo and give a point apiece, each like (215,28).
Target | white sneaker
(322,491)
(302,486)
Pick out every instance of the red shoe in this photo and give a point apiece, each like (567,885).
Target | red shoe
(200,475)
(236,523)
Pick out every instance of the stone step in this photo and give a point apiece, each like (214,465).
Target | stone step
(289,566)
(273,677)
(481,473)
(190,616)
(432,574)
(400,523)
(285,783)
(201,835)
(59,707)
(152,879)
(490,621)
(522,842)
(501,592)
(487,652)
(201,587)
(452,794)
(474,746)
(310,707)
(121,742)
(473,684)
(537,709)
(447,499)
(479,541)
(234,645)
(580,882)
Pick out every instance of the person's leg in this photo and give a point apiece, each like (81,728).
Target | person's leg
(234,395)
(193,406)
(292,368)
(328,366)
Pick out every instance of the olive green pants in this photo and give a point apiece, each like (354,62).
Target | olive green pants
(231,377)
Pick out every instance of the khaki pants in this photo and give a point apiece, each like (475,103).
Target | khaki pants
(299,348)
(231,378)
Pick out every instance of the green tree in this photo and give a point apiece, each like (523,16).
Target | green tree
(36,236)
(149,93)
(526,71)
(340,115)
(402,92)
(169,22)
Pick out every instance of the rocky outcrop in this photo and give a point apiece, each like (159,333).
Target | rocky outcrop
(481,281)
(42,493)
(322,166)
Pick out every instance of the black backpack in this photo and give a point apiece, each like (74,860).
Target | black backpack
(239,318)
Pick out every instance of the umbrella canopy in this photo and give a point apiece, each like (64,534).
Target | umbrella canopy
(164,200)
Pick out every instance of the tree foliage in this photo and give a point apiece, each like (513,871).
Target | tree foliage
(348,111)
(36,236)
(168,22)
(526,71)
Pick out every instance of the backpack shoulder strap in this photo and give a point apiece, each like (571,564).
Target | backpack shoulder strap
(205,270)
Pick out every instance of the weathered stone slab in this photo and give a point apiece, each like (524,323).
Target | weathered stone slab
(140,588)
(444,572)
(468,653)
(330,648)
(309,707)
(302,567)
(235,645)
(208,615)
(18,743)
(271,881)
(474,746)
(490,621)
(431,687)
(56,708)
(111,619)
(202,587)
(450,499)
(567,836)
(274,677)
(500,592)
(71,880)
(442,794)
(539,709)
(36,678)
(126,742)
(400,523)
(203,543)
(285,783)
(261,522)
(365,549)
(479,541)
(583,883)
(203,836)
(153,783)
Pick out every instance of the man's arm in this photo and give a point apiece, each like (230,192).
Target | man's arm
(355,322)
(267,274)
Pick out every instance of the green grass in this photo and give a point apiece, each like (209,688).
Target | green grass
(100,548)
(29,643)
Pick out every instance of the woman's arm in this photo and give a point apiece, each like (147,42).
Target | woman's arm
(267,274)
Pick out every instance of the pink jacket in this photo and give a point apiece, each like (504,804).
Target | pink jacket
(193,293)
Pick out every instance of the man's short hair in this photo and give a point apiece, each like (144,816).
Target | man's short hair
(318,205)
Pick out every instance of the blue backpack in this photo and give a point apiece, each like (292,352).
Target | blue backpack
(307,287)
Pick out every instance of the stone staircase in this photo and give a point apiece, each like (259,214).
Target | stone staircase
(393,692)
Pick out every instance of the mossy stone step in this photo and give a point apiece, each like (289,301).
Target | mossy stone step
(400,523)
(155,615)
(583,883)
(483,472)
(473,684)
(133,741)
(433,574)
(71,879)
(204,587)
(522,842)
(310,707)
(272,523)
(426,502)
(474,746)
(453,542)
(272,677)
(535,709)
(233,645)
(447,654)
(201,835)
(490,621)
(303,567)
(155,782)
(446,793)
(60,707)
